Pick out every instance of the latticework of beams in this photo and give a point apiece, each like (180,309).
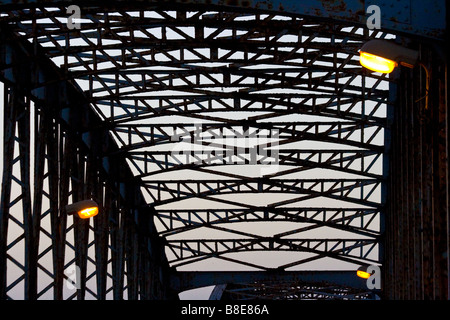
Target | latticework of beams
(292,291)
(41,245)
(233,116)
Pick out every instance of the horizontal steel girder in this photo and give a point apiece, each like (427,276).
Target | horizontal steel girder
(339,189)
(411,17)
(349,250)
(186,280)
(176,221)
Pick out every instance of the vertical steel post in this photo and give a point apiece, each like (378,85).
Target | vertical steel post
(9,127)
(417,220)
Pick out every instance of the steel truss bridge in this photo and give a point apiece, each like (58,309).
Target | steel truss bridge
(234,144)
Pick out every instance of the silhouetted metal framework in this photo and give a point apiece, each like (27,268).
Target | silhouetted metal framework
(214,138)
(289,291)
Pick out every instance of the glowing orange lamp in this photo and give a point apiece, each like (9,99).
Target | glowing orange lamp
(376,63)
(85,209)
(383,56)
(362,272)
(88,212)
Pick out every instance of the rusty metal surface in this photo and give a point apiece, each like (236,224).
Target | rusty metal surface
(417,215)
(412,17)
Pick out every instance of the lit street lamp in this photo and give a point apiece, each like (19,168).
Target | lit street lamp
(362,272)
(383,56)
(85,209)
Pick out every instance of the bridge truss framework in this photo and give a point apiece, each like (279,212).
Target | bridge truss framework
(214,139)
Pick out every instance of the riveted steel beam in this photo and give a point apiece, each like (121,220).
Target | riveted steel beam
(410,17)
(188,280)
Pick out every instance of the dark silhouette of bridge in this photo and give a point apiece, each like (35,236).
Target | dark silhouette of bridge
(234,144)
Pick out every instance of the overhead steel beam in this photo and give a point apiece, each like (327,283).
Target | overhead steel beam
(419,18)
(348,250)
(339,189)
(185,280)
(177,221)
